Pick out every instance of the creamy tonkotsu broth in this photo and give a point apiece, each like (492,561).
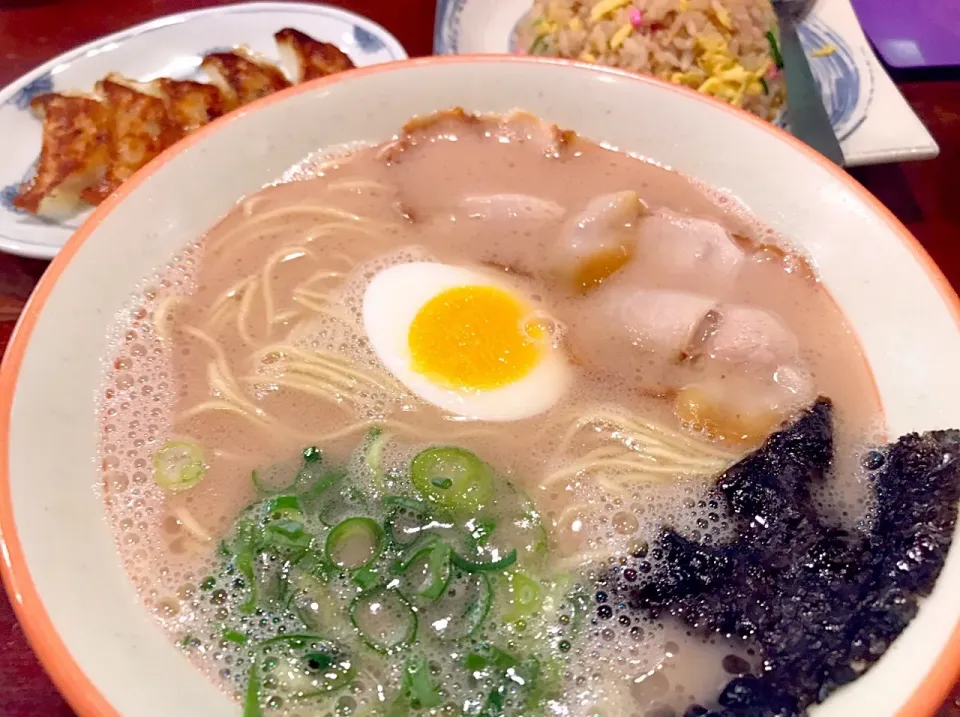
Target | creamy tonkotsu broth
(601,334)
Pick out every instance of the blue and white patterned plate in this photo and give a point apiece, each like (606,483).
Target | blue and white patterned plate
(870,117)
(168,47)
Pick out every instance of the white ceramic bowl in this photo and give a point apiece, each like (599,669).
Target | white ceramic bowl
(68,587)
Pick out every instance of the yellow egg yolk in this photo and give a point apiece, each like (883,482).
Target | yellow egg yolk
(474,337)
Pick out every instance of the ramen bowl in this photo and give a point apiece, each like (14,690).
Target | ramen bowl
(80,611)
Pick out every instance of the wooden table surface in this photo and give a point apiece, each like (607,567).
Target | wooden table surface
(924,195)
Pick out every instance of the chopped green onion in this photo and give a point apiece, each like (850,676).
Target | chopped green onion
(344,537)
(399,501)
(538,44)
(306,664)
(178,465)
(505,675)
(579,602)
(478,610)
(473,567)
(282,505)
(425,571)
(314,563)
(366,578)
(384,620)
(248,541)
(282,534)
(763,84)
(374,457)
(318,660)
(526,595)
(481,529)
(314,605)
(344,503)
(433,559)
(547,683)
(298,639)
(416,550)
(234,636)
(311,455)
(251,700)
(418,685)
(438,567)
(339,676)
(476,662)
(775,50)
(461,610)
(531,521)
(502,660)
(316,674)
(452,478)
(320,485)
(264,489)
(259,485)
(290,529)
(397,534)
(411,520)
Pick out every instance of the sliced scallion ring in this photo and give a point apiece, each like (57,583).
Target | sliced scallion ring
(374,457)
(282,506)
(480,530)
(526,595)
(251,696)
(411,504)
(247,546)
(366,578)
(438,568)
(419,684)
(472,566)
(479,608)
(178,465)
(410,521)
(295,639)
(280,535)
(234,636)
(452,477)
(462,609)
(354,543)
(407,558)
(427,570)
(383,620)
(304,666)
(403,526)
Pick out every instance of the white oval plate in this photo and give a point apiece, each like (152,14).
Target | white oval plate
(171,46)
(58,555)
(870,117)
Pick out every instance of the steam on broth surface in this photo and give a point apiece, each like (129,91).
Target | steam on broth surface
(525,350)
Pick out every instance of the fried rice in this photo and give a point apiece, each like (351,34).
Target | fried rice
(724,48)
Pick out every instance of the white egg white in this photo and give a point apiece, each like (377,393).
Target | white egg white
(393,299)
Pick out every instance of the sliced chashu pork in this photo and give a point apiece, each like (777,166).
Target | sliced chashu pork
(676,248)
(734,369)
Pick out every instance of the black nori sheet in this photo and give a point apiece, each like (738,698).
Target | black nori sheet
(820,603)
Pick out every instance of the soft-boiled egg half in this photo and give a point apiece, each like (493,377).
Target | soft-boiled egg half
(464,340)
